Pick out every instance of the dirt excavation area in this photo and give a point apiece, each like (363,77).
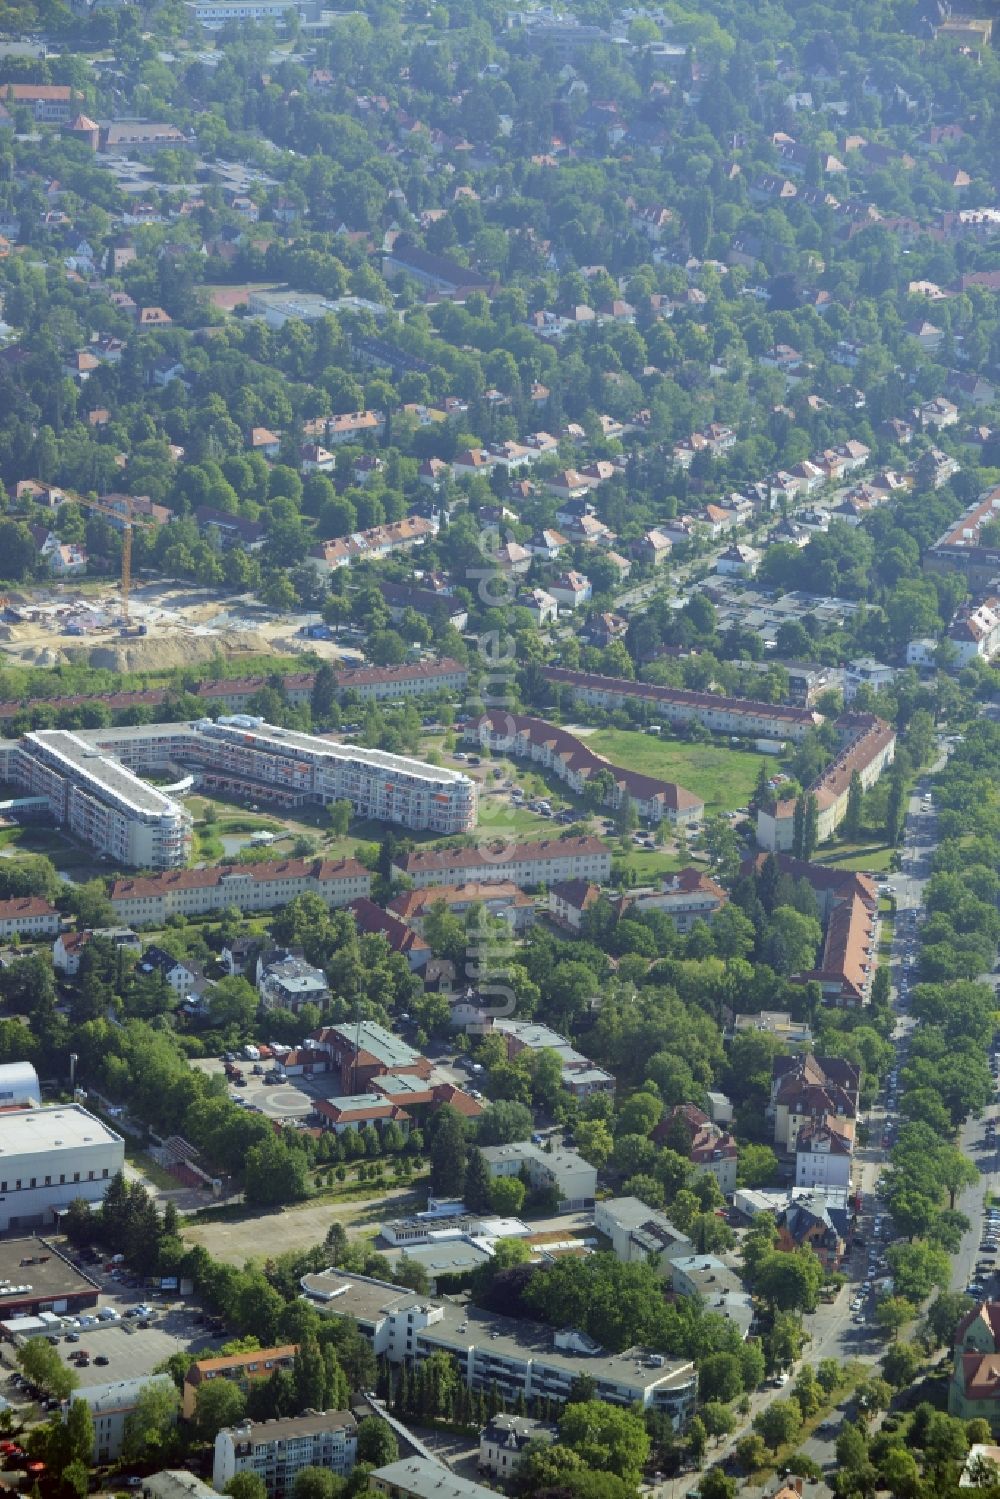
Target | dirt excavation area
(172,624)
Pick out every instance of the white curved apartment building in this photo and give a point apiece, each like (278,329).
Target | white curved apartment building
(92,781)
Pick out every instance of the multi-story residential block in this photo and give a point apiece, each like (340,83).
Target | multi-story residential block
(823,1154)
(110,1407)
(580,1076)
(570,900)
(974,1390)
(28,916)
(688,896)
(50,1156)
(709,1149)
(505,901)
(807,1089)
(240,1369)
(50,103)
(285,981)
(277,1451)
(974,633)
(848,907)
(150,900)
(105,805)
(565,1173)
(245,756)
(717,1285)
(640,1234)
(868,746)
(369,546)
(214,14)
(522,864)
(515,1357)
(726,715)
(575,763)
(963,549)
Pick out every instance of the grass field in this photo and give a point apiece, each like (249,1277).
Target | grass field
(875,856)
(724,778)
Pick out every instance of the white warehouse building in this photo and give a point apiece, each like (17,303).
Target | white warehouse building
(48,1157)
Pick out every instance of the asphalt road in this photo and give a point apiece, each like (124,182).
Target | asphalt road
(833,1329)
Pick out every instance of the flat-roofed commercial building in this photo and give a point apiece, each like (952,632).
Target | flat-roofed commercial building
(277,1451)
(516,1357)
(423,1478)
(35,1277)
(50,1156)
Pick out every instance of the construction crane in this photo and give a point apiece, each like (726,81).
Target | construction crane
(129,521)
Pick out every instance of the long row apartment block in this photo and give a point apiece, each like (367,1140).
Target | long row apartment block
(868,746)
(148,900)
(236,694)
(92,782)
(506,1354)
(726,715)
(575,763)
(523,864)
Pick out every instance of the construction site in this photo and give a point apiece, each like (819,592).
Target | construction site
(169,624)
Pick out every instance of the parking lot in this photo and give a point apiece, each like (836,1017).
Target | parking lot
(134,1351)
(291,1100)
(131,1351)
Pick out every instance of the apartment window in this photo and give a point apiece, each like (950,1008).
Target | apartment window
(76,1177)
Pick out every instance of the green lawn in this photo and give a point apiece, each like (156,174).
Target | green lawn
(875,856)
(723,777)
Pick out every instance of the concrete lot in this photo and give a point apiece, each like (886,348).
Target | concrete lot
(292,1100)
(133,1352)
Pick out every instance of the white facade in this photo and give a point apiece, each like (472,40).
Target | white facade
(149,900)
(110,1406)
(19,1085)
(106,806)
(278,1450)
(515,1357)
(638,1231)
(866,672)
(563,1171)
(93,782)
(28,916)
(822,1159)
(503,1440)
(307,768)
(50,1156)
